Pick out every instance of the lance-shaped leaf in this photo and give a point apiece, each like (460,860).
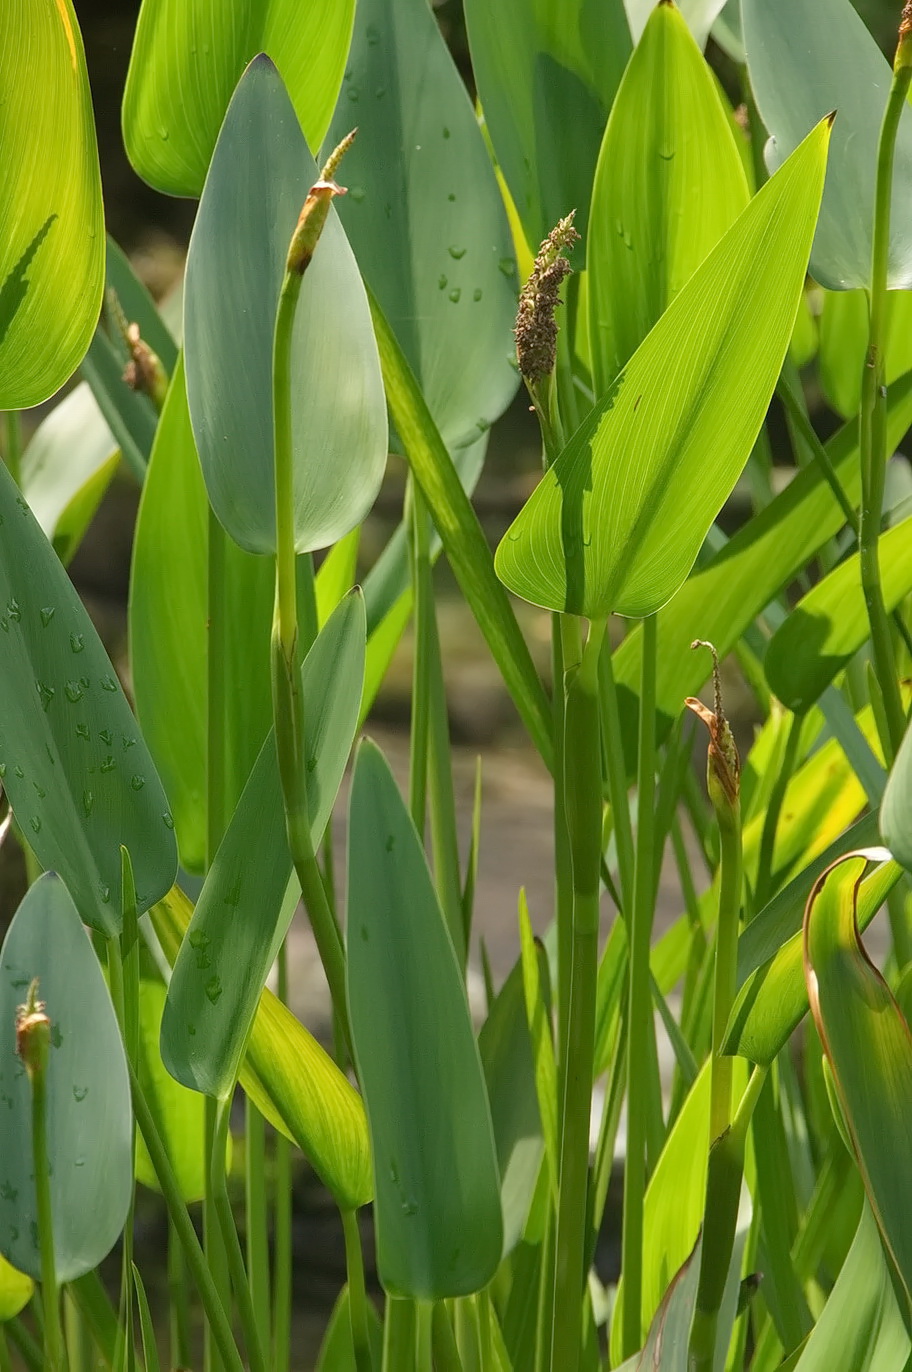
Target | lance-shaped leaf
(869,1049)
(896,809)
(89,1117)
(668,185)
(187,58)
(830,623)
(618,520)
(807,57)
(171,633)
(546,75)
(425,217)
(74,765)
(437,1206)
(241,916)
(51,217)
(699,15)
(259,178)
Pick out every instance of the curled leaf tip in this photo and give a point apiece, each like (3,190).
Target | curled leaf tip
(536,328)
(335,157)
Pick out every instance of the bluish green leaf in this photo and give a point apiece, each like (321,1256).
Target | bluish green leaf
(89,1117)
(618,520)
(700,15)
(437,1205)
(187,58)
(260,175)
(74,765)
(51,216)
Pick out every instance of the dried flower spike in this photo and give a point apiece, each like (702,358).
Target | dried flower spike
(316,209)
(536,329)
(723,765)
(904,46)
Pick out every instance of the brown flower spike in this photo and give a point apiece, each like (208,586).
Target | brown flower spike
(536,329)
(723,765)
(316,209)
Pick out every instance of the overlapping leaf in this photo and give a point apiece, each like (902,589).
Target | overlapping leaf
(896,809)
(844,342)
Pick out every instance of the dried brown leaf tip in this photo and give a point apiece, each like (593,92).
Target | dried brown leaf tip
(536,328)
(723,765)
(904,46)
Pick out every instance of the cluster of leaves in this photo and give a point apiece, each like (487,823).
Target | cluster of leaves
(257,418)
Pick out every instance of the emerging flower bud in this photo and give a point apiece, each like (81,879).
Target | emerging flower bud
(903,57)
(33,1032)
(723,765)
(316,209)
(536,329)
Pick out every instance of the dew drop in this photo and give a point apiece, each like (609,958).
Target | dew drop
(456,253)
(13,610)
(35,824)
(47,614)
(476,294)
(88,803)
(104,893)
(394,1175)
(163,134)
(46,694)
(73,691)
(168,820)
(198,938)
(191,1030)
(372,34)
(17,771)
(80,1093)
(83,731)
(39,790)
(353,94)
(213,989)
(357,193)
(23,504)
(380,92)
(77,643)
(107,764)
(365,937)
(446,132)
(482,425)
(452,196)
(108,683)
(106,736)
(2,770)
(233,894)
(455,295)
(441,282)
(390,843)
(4,624)
(507,265)
(409,1207)
(128,741)
(137,782)
(79,1162)
(56,1036)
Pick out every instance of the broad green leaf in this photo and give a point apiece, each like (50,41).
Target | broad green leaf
(424,215)
(829,624)
(187,58)
(16,1290)
(292,1080)
(74,766)
(337,1352)
(241,916)
(721,600)
(51,216)
(861,1326)
(869,1049)
(699,15)
(171,626)
(67,467)
(260,175)
(896,809)
(618,520)
(807,58)
(462,536)
(506,1056)
(89,1117)
(546,74)
(773,998)
(437,1205)
(180,1115)
(668,184)
(844,343)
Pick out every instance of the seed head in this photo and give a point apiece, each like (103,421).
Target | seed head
(903,58)
(536,329)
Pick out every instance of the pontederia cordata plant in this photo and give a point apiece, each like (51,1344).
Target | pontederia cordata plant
(658,269)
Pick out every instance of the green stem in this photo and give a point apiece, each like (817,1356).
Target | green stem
(726,974)
(640,1003)
(177,1210)
(357,1294)
(50,1301)
(446,1353)
(12,453)
(616,773)
(563,866)
(6,1361)
(281,1311)
(29,1350)
(178,1301)
(583,796)
(873,413)
(805,428)
(78,1345)
(219,1187)
(257,1209)
(419,562)
(399,1335)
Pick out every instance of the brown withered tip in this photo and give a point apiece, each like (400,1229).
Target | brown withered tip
(831,117)
(536,327)
(905,20)
(723,765)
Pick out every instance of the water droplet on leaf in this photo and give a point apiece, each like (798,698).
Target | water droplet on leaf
(47,614)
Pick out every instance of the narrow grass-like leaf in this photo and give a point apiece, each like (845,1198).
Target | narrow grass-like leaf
(336,575)
(868,1047)
(187,58)
(147,1328)
(292,1080)
(337,1352)
(829,624)
(425,217)
(169,617)
(618,520)
(51,216)
(75,768)
(67,466)
(462,537)
(180,1115)
(896,809)
(538,1018)
(237,925)
(806,58)
(260,174)
(89,1117)
(668,185)
(844,342)
(666,1346)
(438,1209)
(16,1290)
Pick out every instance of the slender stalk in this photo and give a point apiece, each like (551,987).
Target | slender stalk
(583,798)
(616,773)
(422,592)
(640,1001)
(28,1348)
(798,416)
(219,1187)
(399,1335)
(446,1354)
(12,451)
(563,864)
(872,416)
(183,1227)
(257,1212)
(178,1301)
(78,1344)
(6,1361)
(545,1306)
(357,1294)
(281,1286)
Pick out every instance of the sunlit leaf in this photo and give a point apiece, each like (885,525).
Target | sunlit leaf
(179,1114)
(844,342)
(15,1290)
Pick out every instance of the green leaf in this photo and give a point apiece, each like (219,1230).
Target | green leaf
(337,1352)
(76,770)
(169,617)
(462,536)
(829,624)
(536,1003)
(241,916)
(147,1328)
(425,217)
(292,1080)
(668,185)
(807,58)
(546,77)
(180,1115)
(896,809)
(52,243)
(89,1117)
(868,1047)
(16,1290)
(437,1206)
(187,58)
(844,343)
(666,1347)
(618,520)
(260,174)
